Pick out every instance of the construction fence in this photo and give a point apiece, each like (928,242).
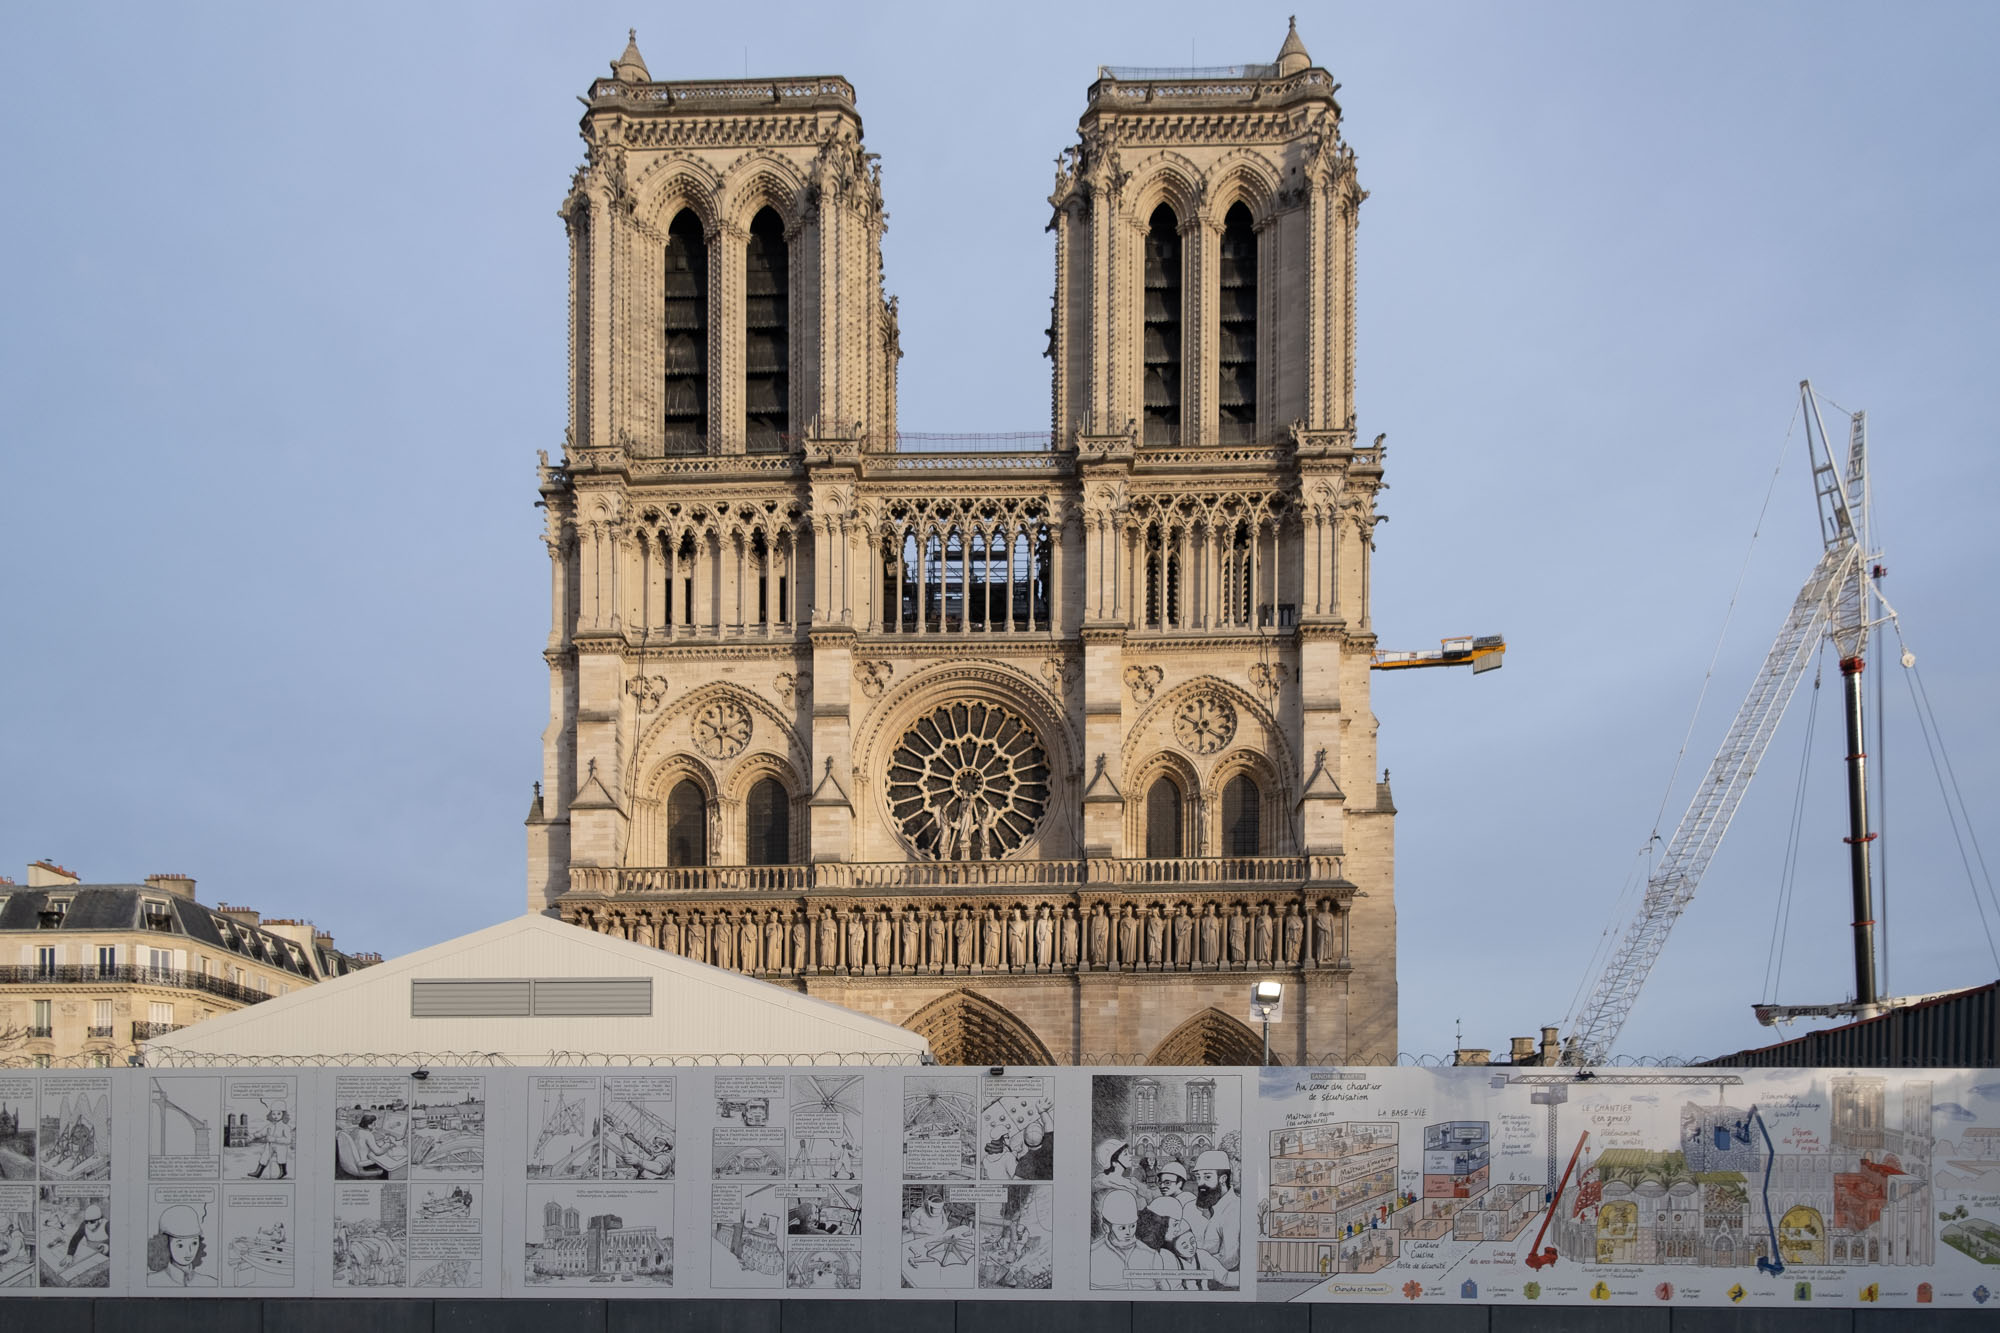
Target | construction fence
(1664,1187)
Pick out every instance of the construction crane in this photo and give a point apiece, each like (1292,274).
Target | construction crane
(1835,601)
(1481,652)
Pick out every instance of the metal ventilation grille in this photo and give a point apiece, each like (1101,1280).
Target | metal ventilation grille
(605,997)
(564,997)
(470,999)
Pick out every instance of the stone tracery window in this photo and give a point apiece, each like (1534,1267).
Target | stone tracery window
(687,825)
(1242,817)
(1163,818)
(968,782)
(768,825)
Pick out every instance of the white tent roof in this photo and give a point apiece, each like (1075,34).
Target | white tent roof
(697,1010)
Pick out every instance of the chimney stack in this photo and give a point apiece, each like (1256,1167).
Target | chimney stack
(242,916)
(1523,1052)
(181,886)
(1551,1048)
(1471,1055)
(49,875)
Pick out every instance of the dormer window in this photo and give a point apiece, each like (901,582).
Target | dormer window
(51,916)
(156,915)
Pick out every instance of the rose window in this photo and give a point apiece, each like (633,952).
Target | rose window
(969,782)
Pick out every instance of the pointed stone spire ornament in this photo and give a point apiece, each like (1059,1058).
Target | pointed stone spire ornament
(1292,57)
(631,67)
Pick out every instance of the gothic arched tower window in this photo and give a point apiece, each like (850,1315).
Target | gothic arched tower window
(1242,817)
(1236,378)
(685,336)
(768,825)
(687,825)
(1163,818)
(767,335)
(1163,328)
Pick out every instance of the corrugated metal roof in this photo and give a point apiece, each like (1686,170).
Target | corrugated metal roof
(697,1010)
(1957,1031)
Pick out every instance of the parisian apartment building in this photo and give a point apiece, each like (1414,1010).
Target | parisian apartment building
(88,971)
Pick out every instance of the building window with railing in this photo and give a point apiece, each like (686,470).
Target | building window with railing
(43,1023)
(45,961)
(107,960)
(1161,384)
(1236,371)
(159,962)
(684,337)
(767,335)
(101,1018)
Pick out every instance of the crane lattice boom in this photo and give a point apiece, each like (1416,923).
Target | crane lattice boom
(1830,602)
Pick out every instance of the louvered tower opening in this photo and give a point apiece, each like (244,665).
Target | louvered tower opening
(767,341)
(1162,384)
(1236,379)
(685,390)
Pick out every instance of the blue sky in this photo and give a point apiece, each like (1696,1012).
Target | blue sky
(281,327)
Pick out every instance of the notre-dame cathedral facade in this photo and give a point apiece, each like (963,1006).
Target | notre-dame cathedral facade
(1045,746)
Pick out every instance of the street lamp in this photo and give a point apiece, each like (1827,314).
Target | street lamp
(1267,999)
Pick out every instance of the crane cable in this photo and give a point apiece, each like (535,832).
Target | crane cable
(1614,929)
(1920,700)
(1723,634)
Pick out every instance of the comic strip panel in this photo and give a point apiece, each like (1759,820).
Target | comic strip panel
(260,1120)
(1017,1138)
(939,1128)
(73,1236)
(1166,1201)
(371,1234)
(747,1222)
(826,1127)
(184,1129)
(638,1132)
(183,1236)
(749,1138)
(447,1219)
(18,1123)
(371,1127)
(599,1235)
(76,1127)
(257,1236)
(562,1127)
(989,1237)
(448,1126)
(17,1236)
